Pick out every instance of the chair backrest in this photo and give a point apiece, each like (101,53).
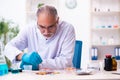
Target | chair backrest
(77,54)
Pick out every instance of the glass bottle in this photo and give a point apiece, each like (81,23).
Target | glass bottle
(111,40)
(14,68)
(108,62)
(114,64)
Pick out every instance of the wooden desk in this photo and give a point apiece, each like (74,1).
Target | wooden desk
(64,75)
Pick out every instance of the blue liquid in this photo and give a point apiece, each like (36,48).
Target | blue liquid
(14,71)
(3,69)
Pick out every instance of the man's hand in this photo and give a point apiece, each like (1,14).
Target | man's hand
(33,59)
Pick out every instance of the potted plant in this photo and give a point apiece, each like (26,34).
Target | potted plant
(39,5)
(7,32)
(4,28)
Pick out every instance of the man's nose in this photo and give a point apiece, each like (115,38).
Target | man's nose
(46,31)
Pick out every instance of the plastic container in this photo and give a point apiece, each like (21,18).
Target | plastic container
(27,67)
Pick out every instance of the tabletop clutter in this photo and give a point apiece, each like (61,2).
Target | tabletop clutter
(110,64)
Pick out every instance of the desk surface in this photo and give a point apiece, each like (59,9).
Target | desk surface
(63,75)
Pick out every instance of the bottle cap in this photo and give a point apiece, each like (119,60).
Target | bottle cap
(108,55)
(113,57)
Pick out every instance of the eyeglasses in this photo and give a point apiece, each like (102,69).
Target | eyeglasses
(51,27)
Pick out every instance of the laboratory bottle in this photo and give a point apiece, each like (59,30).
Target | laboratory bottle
(108,62)
(94,53)
(116,51)
(114,64)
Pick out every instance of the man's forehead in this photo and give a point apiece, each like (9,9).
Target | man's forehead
(46,16)
(43,18)
(46,22)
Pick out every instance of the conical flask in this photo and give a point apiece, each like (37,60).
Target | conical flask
(3,65)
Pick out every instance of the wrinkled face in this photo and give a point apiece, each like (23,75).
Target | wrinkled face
(47,24)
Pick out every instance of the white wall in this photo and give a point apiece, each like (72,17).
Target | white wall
(13,10)
(80,18)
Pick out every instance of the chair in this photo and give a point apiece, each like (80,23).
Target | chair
(77,54)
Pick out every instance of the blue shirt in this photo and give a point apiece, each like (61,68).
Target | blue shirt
(56,52)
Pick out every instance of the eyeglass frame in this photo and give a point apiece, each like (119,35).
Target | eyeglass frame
(51,27)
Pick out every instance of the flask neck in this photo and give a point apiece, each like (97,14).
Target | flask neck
(1,48)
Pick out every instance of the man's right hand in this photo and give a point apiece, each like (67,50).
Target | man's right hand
(33,59)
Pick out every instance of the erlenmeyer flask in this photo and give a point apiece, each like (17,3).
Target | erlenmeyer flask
(3,65)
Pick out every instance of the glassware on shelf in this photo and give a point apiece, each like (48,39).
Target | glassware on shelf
(111,41)
(115,22)
(102,41)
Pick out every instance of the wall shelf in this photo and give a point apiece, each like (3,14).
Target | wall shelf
(105,45)
(106,13)
(105,27)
